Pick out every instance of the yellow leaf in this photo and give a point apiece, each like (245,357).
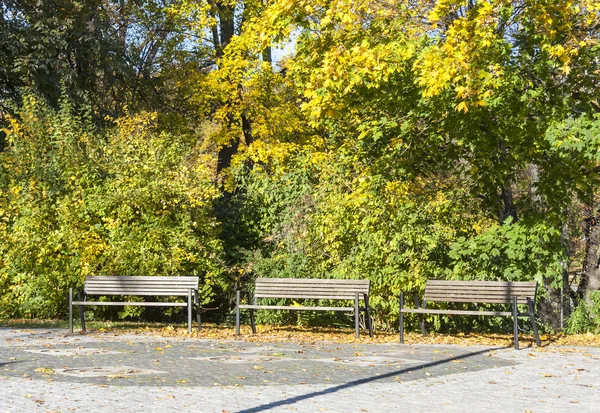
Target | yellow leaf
(45,370)
(462,106)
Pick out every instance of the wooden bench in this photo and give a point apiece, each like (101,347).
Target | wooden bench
(137,286)
(306,288)
(482,292)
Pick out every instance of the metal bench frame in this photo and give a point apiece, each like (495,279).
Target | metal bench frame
(488,292)
(137,286)
(308,288)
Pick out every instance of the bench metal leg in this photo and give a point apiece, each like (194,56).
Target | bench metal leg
(190,311)
(237,312)
(197,303)
(81,314)
(252,322)
(401,318)
(71,310)
(421,317)
(356,316)
(368,315)
(515,323)
(533,323)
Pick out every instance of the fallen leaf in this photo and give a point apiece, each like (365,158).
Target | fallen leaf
(45,370)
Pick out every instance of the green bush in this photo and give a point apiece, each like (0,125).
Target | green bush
(585,318)
(130,200)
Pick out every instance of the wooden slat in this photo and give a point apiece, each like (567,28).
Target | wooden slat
(141,277)
(475,300)
(480,283)
(134,303)
(457,312)
(140,293)
(133,284)
(310,293)
(310,289)
(284,307)
(480,291)
(309,297)
(311,281)
(487,287)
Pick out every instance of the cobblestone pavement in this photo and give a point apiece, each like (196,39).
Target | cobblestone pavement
(50,371)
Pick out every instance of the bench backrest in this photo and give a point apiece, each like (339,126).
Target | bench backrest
(500,292)
(318,289)
(138,285)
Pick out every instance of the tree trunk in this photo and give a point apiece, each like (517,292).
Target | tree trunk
(591,265)
(508,208)
(226,30)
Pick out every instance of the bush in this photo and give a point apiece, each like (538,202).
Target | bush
(131,200)
(585,318)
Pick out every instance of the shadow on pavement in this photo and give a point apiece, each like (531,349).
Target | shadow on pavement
(363,381)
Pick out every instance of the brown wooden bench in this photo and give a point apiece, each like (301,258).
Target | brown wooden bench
(137,286)
(481,292)
(308,288)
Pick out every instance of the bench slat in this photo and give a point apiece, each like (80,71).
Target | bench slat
(133,303)
(294,307)
(307,297)
(461,312)
(138,292)
(290,281)
(141,277)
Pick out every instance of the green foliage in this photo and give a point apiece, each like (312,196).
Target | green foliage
(585,318)
(75,202)
(399,142)
(323,215)
(525,250)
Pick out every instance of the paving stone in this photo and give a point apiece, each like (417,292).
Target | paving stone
(49,371)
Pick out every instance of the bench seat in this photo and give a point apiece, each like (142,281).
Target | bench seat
(311,289)
(457,312)
(157,286)
(294,307)
(476,292)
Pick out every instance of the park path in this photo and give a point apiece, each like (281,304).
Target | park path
(49,371)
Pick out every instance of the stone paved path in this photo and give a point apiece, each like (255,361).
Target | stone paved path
(49,371)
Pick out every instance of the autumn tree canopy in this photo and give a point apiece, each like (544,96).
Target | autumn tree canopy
(394,140)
